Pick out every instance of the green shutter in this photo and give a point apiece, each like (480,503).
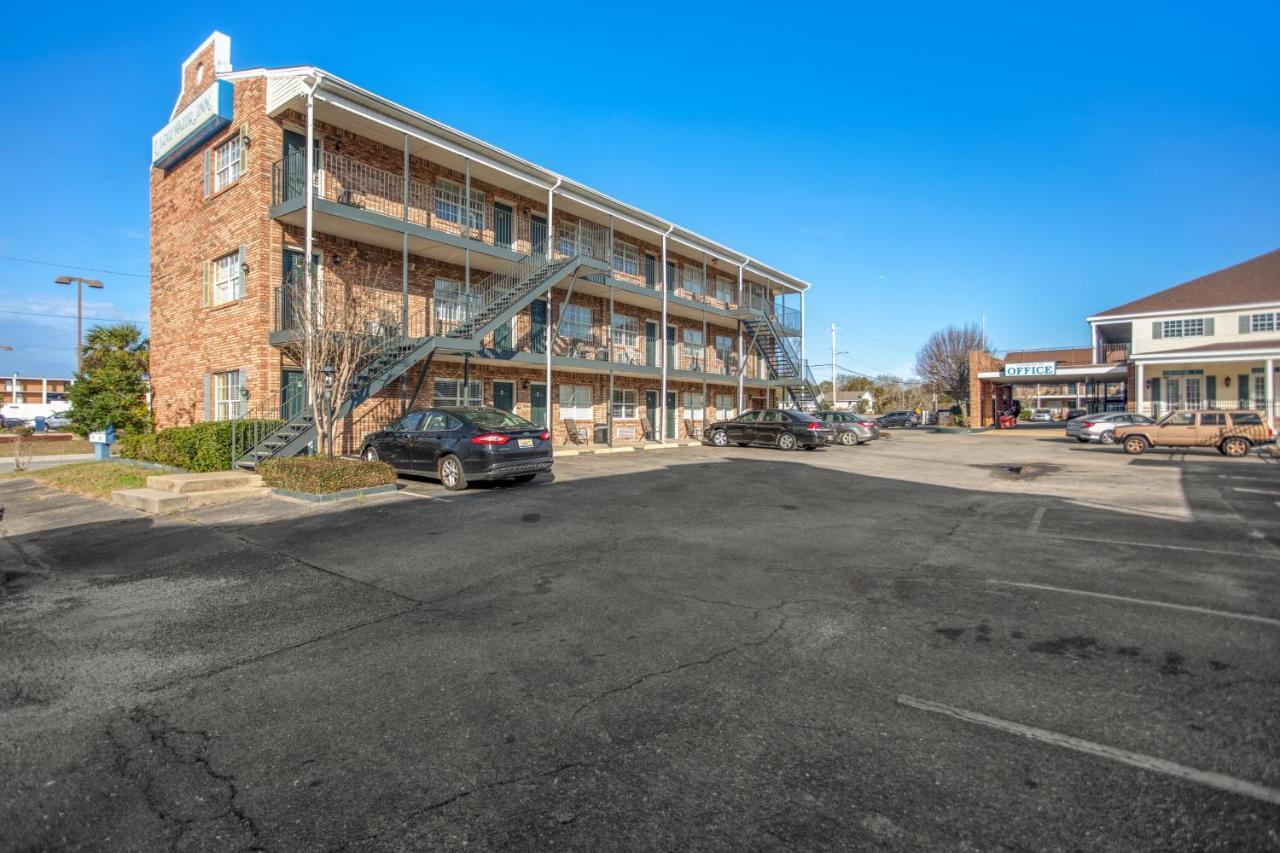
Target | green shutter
(244,150)
(208,171)
(1211,392)
(205,294)
(1157,330)
(244,277)
(1244,324)
(1208,327)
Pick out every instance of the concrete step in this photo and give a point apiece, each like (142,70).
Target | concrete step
(198,499)
(154,501)
(212,481)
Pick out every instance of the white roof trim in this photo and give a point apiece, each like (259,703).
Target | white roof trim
(1109,318)
(1215,355)
(221,62)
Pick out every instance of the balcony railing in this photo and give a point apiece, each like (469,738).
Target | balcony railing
(381,312)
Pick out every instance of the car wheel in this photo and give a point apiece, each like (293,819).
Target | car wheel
(369,455)
(1135,444)
(451,473)
(1108,438)
(1082,439)
(720,438)
(848,439)
(786,441)
(1235,447)
(523,478)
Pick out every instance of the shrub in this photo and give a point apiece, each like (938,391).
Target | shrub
(957,410)
(1024,415)
(200,447)
(318,475)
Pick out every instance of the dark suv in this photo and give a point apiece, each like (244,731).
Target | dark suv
(903,418)
(781,428)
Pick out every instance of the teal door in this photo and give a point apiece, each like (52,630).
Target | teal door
(651,345)
(671,415)
(1243,388)
(538,327)
(651,412)
(672,363)
(292,395)
(538,234)
(504,396)
(503,218)
(538,405)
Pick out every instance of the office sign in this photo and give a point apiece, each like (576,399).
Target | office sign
(1032,368)
(199,120)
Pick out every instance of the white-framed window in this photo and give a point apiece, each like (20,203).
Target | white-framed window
(226,163)
(1260,390)
(455,392)
(575,322)
(724,289)
(1183,328)
(691,279)
(693,404)
(1173,393)
(626,258)
(694,347)
(626,330)
(624,404)
(724,347)
(725,406)
(1193,388)
(452,305)
(449,198)
(228,284)
(1263,322)
(228,399)
(575,402)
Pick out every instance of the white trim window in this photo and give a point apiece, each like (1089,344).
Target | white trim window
(1193,388)
(228,284)
(575,322)
(226,164)
(1263,322)
(724,289)
(228,399)
(624,404)
(694,405)
(691,279)
(724,351)
(725,406)
(450,303)
(449,198)
(626,330)
(575,403)
(1260,391)
(1193,328)
(454,392)
(695,348)
(626,258)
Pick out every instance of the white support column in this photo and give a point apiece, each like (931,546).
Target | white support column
(1097,356)
(1271,393)
(44,392)
(308,223)
(802,353)
(551,205)
(742,354)
(1139,381)
(662,333)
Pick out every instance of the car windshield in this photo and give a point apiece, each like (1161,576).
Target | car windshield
(494,419)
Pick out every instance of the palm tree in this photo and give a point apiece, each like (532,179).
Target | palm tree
(103,342)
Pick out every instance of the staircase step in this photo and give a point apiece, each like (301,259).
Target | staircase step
(205,482)
(154,501)
(199,499)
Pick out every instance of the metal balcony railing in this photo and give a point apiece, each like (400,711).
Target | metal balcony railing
(381,311)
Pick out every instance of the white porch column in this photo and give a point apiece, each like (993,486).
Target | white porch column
(308,277)
(662,334)
(1141,387)
(1271,393)
(44,392)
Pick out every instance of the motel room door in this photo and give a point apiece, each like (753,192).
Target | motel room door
(672,414)
(504,395)
(538,404)
(651,413)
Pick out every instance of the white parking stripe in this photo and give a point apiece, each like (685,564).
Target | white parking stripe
(1159,545)
(1135,759)
(1034,524)
(1255,491)
(1248,617)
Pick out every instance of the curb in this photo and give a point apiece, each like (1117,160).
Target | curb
(672,446)
(345,494)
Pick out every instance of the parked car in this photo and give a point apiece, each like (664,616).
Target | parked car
(1100,426)
(1232,433)
(7,422)
(781,428)
(58,421)
(902,418)
(459,444)
(849,428)
(1041,414)
(1076,413)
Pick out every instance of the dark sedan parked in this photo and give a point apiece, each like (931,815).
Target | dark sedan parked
(781,428)
(904,418)
(849,428)
(460,444)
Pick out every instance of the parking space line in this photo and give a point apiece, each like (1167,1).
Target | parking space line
(1160,545)
(1248,617)
(1123,756)
(1255,491)
(1034,524)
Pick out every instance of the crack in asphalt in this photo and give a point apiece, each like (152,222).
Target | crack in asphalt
(158,734)
(712,658)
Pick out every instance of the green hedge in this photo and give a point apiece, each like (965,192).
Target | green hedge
(200,447)
(317,475)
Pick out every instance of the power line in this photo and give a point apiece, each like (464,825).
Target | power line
(72,266)
(72,316)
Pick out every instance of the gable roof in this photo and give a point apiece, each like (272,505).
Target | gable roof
(1248,283)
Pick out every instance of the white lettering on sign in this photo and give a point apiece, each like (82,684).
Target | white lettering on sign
(1032,368)
(204,116)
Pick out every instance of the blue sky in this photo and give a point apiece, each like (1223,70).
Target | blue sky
(920,167)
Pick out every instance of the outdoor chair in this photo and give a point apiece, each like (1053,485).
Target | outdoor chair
(577,434)
(690,430)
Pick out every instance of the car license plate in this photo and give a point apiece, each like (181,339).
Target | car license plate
(526,442)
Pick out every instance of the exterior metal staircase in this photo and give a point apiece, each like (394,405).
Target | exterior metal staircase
(493,301)
(784,362)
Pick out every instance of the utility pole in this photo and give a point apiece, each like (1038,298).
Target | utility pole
(80,284)
(833,366)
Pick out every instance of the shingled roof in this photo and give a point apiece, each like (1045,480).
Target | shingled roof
(1247,283)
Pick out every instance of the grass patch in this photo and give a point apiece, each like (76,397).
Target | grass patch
(316,475)
(94,479)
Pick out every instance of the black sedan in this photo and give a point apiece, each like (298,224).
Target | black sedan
(460,444)
(781,428)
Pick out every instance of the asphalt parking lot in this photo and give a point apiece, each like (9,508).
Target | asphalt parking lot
(994,642)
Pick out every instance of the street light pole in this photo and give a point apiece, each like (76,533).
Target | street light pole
(80,284)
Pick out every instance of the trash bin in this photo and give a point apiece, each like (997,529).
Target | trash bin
(602,434)
(1008,422)
(41,426)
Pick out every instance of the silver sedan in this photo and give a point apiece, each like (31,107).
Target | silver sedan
(1100,427)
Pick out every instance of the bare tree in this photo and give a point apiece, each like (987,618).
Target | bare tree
(342,324)
(943,362)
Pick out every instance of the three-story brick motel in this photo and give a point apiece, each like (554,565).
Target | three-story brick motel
(486,279)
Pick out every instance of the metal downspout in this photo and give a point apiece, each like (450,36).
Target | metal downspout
(551,201)
(666,348)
